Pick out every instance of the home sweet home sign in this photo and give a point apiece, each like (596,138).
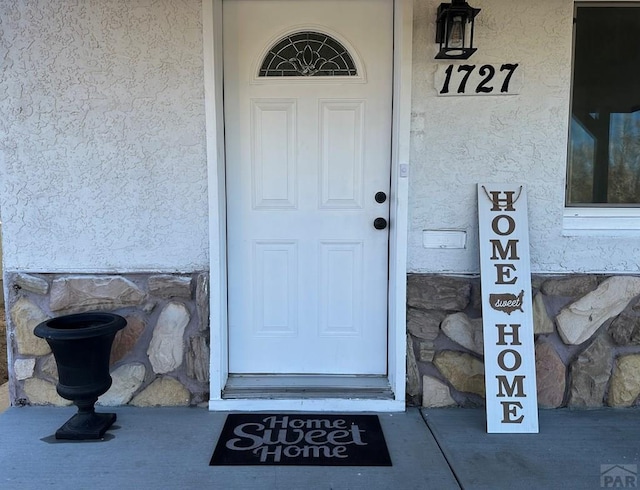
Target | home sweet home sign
(509,355)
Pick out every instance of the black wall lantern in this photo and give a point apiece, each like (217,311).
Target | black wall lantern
(452,32)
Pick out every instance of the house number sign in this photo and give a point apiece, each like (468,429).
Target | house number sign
(507,319)
(479,79)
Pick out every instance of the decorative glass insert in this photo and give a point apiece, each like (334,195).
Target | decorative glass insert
(308,54)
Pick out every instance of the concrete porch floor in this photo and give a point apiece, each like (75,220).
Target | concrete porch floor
(170,448)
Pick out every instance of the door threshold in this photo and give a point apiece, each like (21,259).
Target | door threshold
(306,387)
(307,393)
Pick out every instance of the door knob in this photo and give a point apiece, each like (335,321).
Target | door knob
(379,223)
(380,197)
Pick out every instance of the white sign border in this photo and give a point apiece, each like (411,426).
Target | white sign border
(505,265)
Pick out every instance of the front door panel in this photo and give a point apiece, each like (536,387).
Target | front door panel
(308,131)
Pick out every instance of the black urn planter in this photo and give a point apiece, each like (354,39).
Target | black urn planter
(81,346)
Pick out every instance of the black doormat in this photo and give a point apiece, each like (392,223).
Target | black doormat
(296,439)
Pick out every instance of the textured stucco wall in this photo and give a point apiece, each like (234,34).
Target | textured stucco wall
(102,145)
(102,139)
(460,141)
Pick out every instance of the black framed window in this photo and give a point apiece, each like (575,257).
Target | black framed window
(307,54)
(604,135)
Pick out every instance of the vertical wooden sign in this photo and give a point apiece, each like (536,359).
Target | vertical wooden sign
(507,319)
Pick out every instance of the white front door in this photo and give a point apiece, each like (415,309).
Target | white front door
(307,99)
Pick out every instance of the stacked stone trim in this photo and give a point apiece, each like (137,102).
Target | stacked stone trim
(587,336)
(587,341)
(160,358)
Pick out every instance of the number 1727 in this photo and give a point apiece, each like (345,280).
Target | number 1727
(486,80)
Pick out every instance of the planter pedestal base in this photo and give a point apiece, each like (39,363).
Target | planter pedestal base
(86,424)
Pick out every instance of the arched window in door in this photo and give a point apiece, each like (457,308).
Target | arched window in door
(308,54)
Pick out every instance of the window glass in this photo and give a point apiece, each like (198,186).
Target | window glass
(604,135)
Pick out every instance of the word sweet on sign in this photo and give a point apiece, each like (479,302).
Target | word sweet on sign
(507,320)
(276,437)
(506,302)
(454,79)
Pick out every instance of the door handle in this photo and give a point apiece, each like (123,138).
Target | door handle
(379,223)
(380,197)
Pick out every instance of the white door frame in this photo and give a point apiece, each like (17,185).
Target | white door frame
(214,115)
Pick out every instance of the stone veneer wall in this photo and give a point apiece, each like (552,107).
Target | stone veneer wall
(587,337)
(160,358)
(587,341)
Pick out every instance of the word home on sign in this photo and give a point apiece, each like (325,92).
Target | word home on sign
(485,79)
